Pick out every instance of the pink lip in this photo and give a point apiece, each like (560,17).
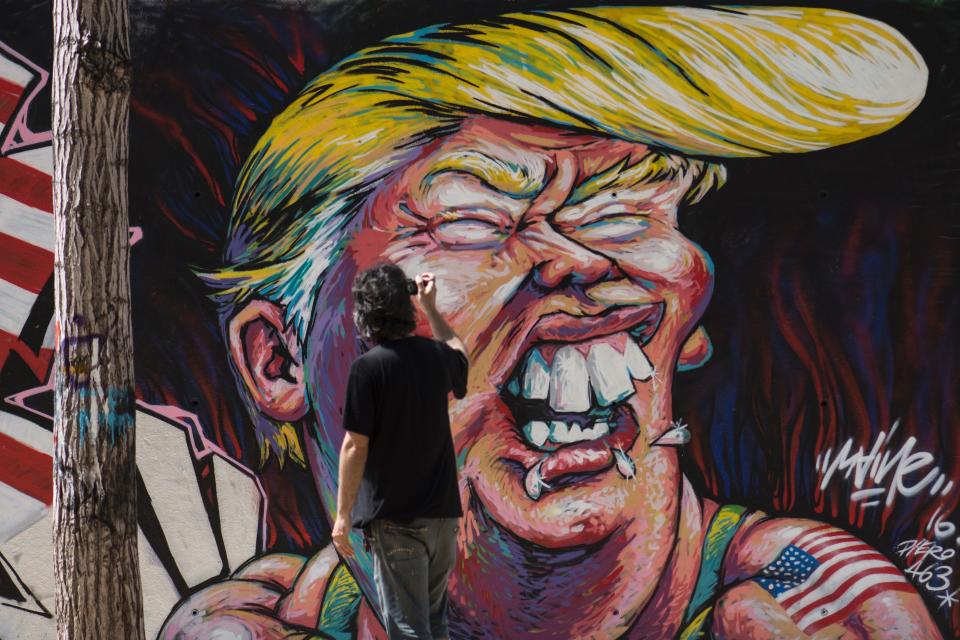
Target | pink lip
(563,327)
(583,457)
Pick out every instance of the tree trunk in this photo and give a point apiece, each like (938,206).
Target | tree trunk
(95,516)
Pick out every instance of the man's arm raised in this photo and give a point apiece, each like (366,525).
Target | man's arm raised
(427,297)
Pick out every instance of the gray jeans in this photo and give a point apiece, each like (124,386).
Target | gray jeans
(412,562)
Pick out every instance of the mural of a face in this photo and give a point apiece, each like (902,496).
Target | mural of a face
(562,265)
(554,301)
(575,306)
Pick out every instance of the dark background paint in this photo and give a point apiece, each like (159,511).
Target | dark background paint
(836,308)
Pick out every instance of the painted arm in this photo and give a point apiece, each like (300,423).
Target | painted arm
(278,596)
(353,458)
(246,605)
(856,593)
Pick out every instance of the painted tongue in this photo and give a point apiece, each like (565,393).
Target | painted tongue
(588,457)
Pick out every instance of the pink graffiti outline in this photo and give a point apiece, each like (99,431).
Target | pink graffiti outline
(17,126)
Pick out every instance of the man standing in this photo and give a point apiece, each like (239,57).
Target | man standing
(397,455)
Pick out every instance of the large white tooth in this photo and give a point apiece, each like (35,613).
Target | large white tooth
(609,374)
(536,377)
(625,465)
(637,361)
(563,433)
(559,432)
(536,432)
(569,383)
(598,430)
(533,482)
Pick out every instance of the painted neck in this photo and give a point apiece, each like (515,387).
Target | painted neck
(502,583)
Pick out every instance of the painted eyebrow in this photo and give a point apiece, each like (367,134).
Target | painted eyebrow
(500,175)
(652,167)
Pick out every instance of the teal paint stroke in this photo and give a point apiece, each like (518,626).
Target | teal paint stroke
(83,418)
(118,416)
(120,412)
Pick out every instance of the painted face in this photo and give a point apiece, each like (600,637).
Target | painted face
(574,291)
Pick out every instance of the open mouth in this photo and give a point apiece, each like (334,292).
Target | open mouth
(568,395)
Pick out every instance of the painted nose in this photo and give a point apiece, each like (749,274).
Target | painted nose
(561,260)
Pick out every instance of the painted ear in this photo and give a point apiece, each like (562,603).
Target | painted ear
(267,355)
(696,350)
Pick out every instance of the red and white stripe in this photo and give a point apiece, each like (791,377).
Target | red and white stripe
(14,79)
(27,239)
(26,227)
(850,573)
(26,475)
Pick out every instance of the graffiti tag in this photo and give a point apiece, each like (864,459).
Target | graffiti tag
(930,570)
(904,473)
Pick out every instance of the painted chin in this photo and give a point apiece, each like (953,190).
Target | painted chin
(590,491)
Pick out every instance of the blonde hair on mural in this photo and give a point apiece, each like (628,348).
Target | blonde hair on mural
(707,83)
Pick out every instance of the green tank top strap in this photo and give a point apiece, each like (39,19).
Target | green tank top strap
(341,601)
(341,605)
(723,526)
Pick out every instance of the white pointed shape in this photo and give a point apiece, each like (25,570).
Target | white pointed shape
(17,304)
(536,376)
(576,433)
(24,614)
(625,465)
(536,433)
(166,464)
(569,382)
(675,436)
(239,503)
(637,361)
(599,429)
(533,482)
(19,510)
(30,554)
(559,432)
(159,590)
(609,375)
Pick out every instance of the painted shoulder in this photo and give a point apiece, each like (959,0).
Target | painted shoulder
(803,577)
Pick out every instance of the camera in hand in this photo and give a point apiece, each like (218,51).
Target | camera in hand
(411,287)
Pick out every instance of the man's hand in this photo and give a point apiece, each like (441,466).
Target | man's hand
(427,291)
(427,297)
(341,536)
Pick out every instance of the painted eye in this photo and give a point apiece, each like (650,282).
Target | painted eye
(621,227)
(469,233)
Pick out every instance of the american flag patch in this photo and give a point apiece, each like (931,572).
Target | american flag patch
(825,574)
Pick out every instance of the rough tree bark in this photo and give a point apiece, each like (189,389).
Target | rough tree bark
(95,515)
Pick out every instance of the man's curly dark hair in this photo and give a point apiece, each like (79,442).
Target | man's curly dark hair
(382,308)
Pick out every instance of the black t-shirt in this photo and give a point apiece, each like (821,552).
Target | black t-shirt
(397,395)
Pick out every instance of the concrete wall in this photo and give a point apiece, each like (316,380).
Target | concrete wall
(800,325)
